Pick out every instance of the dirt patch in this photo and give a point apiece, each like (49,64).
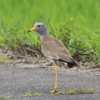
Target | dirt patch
(28,61)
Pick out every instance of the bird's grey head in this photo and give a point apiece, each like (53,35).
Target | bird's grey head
(40,28)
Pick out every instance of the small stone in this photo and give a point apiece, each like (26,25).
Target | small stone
(23,74)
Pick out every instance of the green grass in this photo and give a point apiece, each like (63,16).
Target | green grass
(3,59)
(62,92)
(83,44)
(77,91)
(29,94)
(75,22)
(5,97)
(86,11)
(82,91)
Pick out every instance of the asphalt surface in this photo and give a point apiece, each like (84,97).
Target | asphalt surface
(18,81)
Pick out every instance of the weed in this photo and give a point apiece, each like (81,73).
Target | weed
(3,59)
(62,92)
(77,91)
(4,97)
(28,94)
(38,94)
(60,14)
(91,90)
(72,91)
(0,97)
(37,56)
(82,42)
(56,93)
(81,91)
(97,91)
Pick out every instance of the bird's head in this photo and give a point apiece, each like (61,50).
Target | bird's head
(40,28)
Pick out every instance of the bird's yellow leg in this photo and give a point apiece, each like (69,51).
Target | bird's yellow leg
(55,89)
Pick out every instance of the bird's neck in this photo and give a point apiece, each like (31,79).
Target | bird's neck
(46,32)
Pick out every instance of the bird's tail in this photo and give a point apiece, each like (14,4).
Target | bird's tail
(71,64)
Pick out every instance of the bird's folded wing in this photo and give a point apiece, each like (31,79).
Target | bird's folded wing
(55,50)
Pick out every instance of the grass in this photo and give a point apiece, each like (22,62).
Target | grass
(62,92)
(80,42)
(4,97)
(71,23)
(81,91)
(3,59)
(86,11)
(83,44)
(28,94)
(77,91)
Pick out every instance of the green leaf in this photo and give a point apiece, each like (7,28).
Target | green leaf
(71,41)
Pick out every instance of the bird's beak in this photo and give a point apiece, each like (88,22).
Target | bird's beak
(32,29)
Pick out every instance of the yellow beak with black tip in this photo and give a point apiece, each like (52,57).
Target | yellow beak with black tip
(32,29)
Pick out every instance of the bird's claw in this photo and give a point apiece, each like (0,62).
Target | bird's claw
(55,90)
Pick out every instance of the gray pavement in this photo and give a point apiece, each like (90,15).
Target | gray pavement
(18,81)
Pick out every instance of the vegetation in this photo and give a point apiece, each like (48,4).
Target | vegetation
(75,22)
(62,92)
(78,91)
(86,11)
(81,91)
(4,97)
(3,59)
(29,94)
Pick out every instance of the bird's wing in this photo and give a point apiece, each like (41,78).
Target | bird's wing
(55,49)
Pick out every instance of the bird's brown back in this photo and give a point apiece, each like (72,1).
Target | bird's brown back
(55,49)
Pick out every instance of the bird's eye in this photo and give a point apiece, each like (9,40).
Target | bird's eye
(39,26)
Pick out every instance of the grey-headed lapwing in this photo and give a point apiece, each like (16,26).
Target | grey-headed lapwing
(53,49)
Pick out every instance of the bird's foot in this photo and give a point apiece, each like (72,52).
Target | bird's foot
(55,90)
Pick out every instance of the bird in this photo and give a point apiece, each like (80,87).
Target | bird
(53,49)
